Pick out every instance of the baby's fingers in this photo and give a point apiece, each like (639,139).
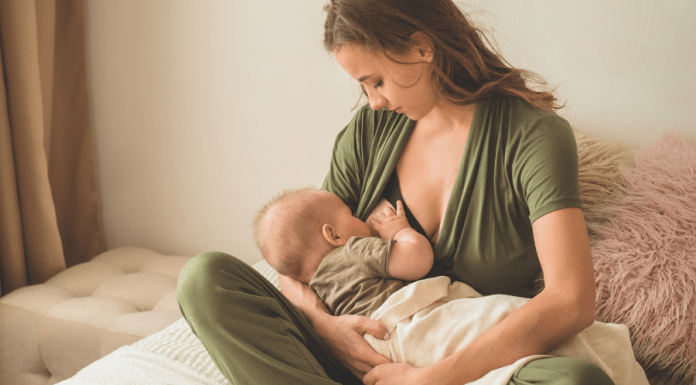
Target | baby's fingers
(399,209)
(388,211)
(377,218)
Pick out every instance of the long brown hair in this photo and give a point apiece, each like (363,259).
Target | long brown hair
(466,67)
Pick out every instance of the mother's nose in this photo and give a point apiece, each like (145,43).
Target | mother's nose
(377,101)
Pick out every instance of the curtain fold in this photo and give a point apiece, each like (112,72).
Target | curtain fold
(49,201)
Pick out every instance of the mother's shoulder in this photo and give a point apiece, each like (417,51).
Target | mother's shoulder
(377,123)
(522,117)
(517,107)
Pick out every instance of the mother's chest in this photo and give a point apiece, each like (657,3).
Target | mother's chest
(428,170)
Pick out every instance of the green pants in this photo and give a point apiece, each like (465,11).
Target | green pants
(256,336)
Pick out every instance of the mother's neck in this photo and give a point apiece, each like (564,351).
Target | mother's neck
(449,116)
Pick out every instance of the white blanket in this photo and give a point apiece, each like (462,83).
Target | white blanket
(429,320)
(173,356)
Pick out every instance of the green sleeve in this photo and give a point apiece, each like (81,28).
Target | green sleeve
(545,167)
(364,155)
(347,169)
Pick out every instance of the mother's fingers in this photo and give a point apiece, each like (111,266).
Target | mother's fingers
(344,335)
(369,355)
(395,374)
(374,327)
(369,359)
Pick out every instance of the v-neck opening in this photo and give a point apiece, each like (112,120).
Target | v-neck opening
(457,180)
(392,193)
(473,129)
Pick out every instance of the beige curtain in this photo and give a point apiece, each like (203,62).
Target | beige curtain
(48,194)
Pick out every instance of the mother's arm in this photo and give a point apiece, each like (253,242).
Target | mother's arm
(343,334)
(563,309)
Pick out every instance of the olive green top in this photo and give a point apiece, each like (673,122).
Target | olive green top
(519,163)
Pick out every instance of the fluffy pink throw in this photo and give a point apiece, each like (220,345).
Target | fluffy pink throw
(645,256)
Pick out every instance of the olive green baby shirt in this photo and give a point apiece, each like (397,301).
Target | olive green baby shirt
(354,278)
(519,163)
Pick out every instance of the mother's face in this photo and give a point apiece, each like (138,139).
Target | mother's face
(404,88)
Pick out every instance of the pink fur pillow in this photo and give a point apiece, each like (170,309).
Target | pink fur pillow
(600,162)
(645,256)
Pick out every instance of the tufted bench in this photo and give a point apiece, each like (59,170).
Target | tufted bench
(50,331)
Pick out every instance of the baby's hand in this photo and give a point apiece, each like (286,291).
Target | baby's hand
(389,222)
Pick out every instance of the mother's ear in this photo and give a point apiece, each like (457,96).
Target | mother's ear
(332,236)
(423,46)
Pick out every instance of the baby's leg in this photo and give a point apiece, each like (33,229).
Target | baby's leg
(445,319)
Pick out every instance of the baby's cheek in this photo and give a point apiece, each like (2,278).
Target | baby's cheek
(360,228)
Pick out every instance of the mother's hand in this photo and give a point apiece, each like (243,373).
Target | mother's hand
(344,336)
(397,374)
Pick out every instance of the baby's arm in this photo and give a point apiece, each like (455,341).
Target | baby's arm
(411,256)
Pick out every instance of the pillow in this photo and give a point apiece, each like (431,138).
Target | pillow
(600,162)
(645,256)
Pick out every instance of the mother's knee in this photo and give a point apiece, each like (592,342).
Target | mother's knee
(587,373)
(202,274)
(562,371)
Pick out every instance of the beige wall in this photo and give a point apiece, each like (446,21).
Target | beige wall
(204,110)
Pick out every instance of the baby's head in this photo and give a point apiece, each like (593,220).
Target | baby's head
(298,228)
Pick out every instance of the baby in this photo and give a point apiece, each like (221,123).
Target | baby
(312,236)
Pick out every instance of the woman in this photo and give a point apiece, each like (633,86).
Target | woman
(486,171)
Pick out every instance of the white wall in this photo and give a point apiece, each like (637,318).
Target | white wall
(204,110)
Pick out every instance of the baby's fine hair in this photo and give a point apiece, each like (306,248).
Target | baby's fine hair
(289,227)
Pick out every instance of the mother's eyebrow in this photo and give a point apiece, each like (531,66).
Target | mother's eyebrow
(363,78)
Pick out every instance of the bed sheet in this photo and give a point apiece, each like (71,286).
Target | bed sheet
(172,356)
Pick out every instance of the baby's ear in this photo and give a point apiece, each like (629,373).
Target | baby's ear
(331,235)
